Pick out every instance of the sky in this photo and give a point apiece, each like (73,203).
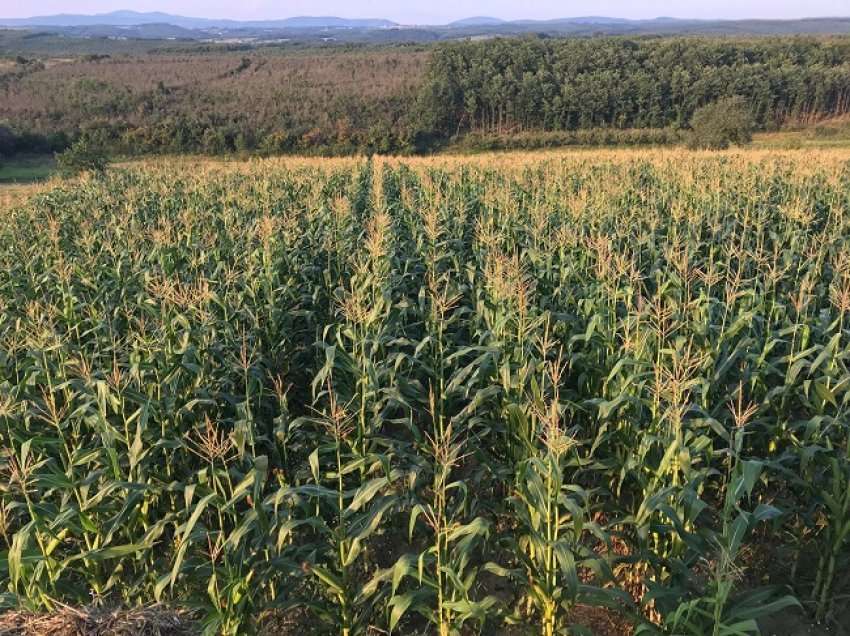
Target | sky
(440,11)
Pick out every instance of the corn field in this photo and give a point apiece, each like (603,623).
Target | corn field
(443,396)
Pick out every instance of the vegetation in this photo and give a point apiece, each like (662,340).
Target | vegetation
(218,103)
(176,35)
(84,155)
(512,93)
(833,133)
(715,126)
(535,84)
(13,143)
(529,140)
(432,395)
(26,169)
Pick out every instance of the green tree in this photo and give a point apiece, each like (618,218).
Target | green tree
(718,125)
(83,155)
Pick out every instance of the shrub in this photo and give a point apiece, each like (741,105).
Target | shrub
(717,125)
(83,155)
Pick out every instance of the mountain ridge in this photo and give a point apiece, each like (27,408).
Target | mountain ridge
(125,24)
(136,18)
(478,20)
(125,17)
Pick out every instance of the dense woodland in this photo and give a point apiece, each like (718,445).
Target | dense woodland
(414,98)
(580,83)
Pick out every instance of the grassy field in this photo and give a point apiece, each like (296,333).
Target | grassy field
(22,170)
(826,135)
(538,393)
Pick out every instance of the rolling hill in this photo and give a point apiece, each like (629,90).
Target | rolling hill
(131,25)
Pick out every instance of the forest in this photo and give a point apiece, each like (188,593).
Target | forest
(414,98)
(584,83)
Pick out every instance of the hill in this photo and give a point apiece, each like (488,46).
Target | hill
(135,18)
(477,21)
(376,29)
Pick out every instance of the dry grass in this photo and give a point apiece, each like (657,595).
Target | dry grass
(806,161)
(16,194)
(67,621)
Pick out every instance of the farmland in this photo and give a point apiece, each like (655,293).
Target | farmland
(518,393)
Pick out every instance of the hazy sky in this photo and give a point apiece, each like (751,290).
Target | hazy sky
(435,11)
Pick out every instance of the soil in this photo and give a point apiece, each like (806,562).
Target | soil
(794,623)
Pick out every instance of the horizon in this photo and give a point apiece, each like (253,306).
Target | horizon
(443,11)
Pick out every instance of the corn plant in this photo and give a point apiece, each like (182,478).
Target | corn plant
(431,394)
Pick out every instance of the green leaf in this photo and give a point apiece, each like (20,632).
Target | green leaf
(186,535)
(331,581)
(365,493)
(400,604)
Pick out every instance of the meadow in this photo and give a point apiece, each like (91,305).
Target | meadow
(550,393)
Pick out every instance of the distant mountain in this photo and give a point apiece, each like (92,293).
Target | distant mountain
(581,20)
(474,21)
(309,22)
(135,25)
(134,18)
(662,26)
(116,18)
(130,32)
